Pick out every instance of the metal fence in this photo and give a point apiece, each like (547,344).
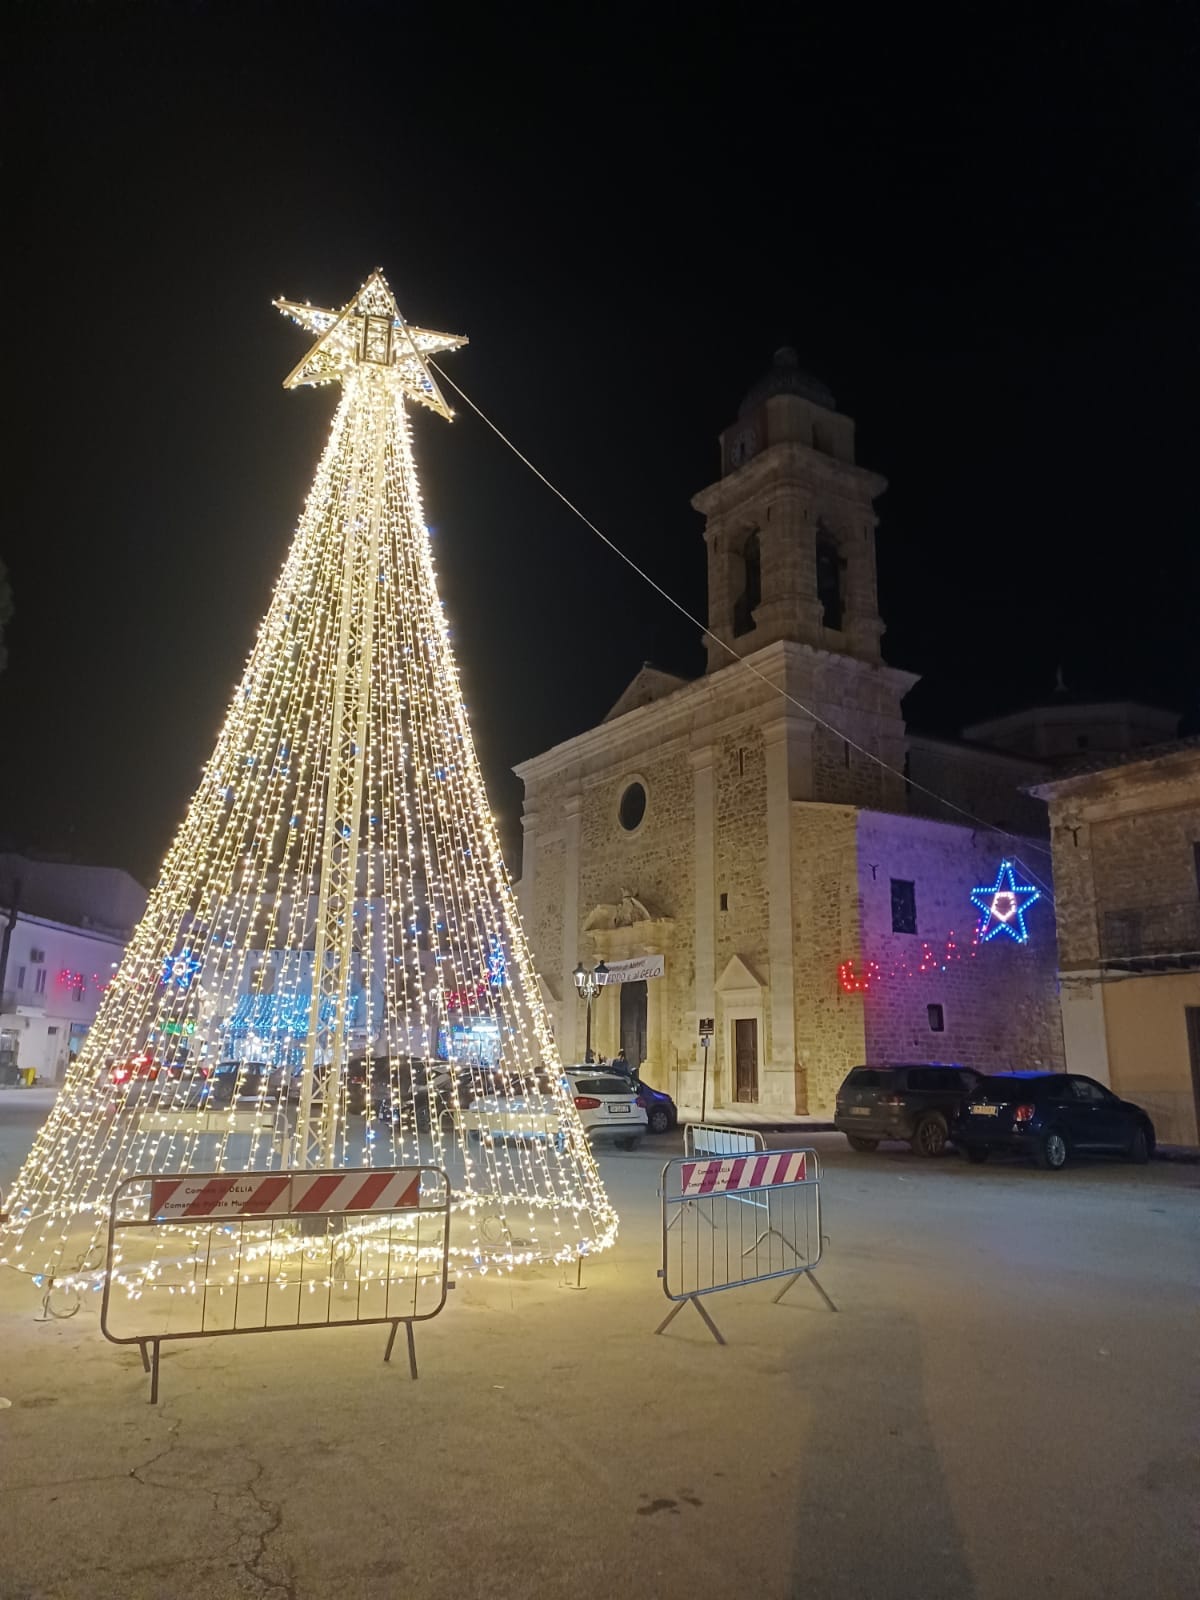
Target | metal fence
(728,1221)
(208,1255)
(707,1139)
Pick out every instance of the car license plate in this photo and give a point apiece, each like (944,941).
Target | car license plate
(618,1111)
(984,1111)
(860,1111)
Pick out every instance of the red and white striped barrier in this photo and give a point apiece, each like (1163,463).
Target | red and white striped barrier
(276,1194)
(699,1178)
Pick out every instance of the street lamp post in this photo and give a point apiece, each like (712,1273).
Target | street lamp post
(589,985)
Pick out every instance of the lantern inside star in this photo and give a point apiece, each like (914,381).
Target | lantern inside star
(369,332)
(1002,906)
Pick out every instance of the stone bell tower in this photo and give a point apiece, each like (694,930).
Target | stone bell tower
(790,525)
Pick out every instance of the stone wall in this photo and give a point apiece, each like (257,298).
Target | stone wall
(825,905)
(984,784)
(999,999)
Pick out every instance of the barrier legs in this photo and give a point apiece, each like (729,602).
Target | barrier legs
(813,1279)
(678,1307)
(412,1345)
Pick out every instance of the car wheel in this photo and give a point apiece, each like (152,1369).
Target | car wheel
(660,1120)
(1052,1152)
(627,1144)
(977,1154)
(1139,1147)
(929,1135)
(856,1142)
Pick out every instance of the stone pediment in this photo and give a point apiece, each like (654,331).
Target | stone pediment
(737,978)
(650,684)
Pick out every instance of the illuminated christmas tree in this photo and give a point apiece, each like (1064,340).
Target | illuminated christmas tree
(331,970)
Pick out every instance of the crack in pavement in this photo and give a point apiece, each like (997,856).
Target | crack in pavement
(274,1512)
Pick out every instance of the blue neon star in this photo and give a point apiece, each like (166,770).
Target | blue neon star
(180,970)
(1003,906)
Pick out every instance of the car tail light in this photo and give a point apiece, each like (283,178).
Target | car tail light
(1023,1114)
(894,1102)
(587,1102)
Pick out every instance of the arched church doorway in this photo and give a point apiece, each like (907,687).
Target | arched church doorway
(633,1022)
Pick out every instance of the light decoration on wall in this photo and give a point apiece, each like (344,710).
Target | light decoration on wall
(1003,905)
(71,980)
(861,976)
(339,849)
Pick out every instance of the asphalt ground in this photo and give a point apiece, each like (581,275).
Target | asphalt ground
(1005,1403)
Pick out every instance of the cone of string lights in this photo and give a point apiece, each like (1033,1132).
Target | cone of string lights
(331,971)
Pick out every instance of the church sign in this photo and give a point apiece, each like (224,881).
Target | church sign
(635,970)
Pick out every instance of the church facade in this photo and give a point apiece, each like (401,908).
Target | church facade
(755,833)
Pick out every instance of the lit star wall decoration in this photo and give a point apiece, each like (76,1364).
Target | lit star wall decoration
(1003,904)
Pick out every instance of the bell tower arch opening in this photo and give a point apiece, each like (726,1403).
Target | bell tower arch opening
(829,577)
(750,596)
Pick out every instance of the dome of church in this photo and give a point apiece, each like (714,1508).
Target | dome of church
(787,376)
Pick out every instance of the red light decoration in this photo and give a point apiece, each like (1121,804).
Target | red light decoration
(860,978)
(71,980)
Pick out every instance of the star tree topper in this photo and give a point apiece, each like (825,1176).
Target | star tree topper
(369,331)
(1003,905)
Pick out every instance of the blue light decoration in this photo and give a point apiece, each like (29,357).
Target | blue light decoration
(497,964)
(1003,905)
(179,971)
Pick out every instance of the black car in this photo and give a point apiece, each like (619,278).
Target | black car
(1051,1116)
(395,1089)
(662,1114)
(916,1101)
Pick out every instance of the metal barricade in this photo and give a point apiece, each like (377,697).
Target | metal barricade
(709,1139)
(762,1212)
(208,1254)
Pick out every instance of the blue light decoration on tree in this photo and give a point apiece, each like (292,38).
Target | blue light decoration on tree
(497,964)
(1003,905)
(178,971)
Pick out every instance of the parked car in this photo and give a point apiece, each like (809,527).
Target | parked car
(1051,1116)
(662,1114)
(916,1101)
(608,1106)
(248,1084)
(496,1104)
(395,1088)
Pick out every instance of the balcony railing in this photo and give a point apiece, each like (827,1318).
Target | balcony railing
(1154,936)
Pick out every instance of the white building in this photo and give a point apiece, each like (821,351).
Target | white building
(63,930)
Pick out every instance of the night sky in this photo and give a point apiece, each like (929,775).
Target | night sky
(981,232)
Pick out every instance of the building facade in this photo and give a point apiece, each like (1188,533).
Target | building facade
(752,828)
(63,930)
(1126,841)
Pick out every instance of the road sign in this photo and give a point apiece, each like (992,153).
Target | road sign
(706,1029)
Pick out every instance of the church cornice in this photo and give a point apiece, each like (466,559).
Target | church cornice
(700,712)
(795,466)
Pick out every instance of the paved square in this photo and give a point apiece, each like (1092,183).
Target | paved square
(1005,1403)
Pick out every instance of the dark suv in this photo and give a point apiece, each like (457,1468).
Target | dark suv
(1051,1116)
(914,1101)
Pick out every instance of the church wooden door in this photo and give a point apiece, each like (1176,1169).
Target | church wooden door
(633,1022)
(745,1059)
